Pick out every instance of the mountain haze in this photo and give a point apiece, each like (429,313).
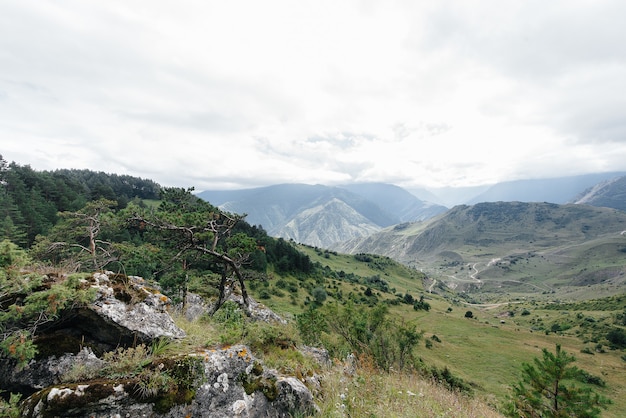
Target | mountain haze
(322,215)
(553,190)
(609,193)
(396,200)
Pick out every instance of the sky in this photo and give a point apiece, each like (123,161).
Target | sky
(240,94)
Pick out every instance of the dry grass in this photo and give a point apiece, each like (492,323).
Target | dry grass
(369,393)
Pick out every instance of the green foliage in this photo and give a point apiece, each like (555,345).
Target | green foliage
(262,336)
(231,323)
(617,337)
(32,309)
(18,345)
(125,362)
(10,408)
(421,304)
(311,324)
(547,389)
(160,346)
(30,200)
(319,295)
(447,379)
(370,332)
(12,256)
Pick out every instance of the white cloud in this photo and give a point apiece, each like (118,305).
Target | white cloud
(244,93)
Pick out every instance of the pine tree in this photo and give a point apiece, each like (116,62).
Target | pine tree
(548,389)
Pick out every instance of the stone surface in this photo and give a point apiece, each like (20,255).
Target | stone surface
(125,312)
(232,383)
(196,306)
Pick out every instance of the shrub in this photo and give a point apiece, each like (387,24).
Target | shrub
(262,336)
(369,332)
(311,323)
(319,295)
(10,408)
(617,338)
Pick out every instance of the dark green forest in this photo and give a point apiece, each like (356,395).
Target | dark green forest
(53,214)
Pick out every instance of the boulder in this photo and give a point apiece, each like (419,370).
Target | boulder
(125,312)
(216,383)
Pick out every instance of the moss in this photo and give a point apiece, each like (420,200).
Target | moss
(255,381)
(257,368)
(124,291)
(186,373)
(171,399)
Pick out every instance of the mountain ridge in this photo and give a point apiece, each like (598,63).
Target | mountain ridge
(287,210)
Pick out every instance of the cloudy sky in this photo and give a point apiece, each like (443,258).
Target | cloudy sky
(234,94)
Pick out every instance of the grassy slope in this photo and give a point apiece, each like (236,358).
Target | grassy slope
(482,350)
(519,250)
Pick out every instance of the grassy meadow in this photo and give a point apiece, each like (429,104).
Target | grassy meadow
(488,349)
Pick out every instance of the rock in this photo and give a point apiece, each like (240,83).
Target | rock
(196,306)
(136,309)
(125,312)
(320,355)
(41,374)
(214,383)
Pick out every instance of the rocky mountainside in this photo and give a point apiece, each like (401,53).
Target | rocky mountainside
(95,360)
(321,215)
(610,194)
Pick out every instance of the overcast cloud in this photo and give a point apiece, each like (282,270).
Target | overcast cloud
(232,94)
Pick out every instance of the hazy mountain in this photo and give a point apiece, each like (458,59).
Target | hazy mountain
(450,196)
(609,193)
(329,222)
(396,200)
(321,215)
(553,190)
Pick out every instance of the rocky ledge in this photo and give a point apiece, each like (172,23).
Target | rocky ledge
(228,382)
(128,313)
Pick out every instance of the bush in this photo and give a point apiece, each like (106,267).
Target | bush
(230,321)
(617,338)
(369,332)
(319,295)
(446,378)
(547,388)
(311,323)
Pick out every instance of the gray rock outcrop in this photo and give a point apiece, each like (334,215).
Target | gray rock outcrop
(126,311)
(75,374)
(214,383)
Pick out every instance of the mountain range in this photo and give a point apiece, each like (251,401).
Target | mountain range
(511,246)
(324,216)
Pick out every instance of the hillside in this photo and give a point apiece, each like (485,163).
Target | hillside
(363,304)
(610,193)
(512,247)
(487,349)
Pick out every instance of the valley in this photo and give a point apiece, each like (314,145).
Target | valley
(506,328)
